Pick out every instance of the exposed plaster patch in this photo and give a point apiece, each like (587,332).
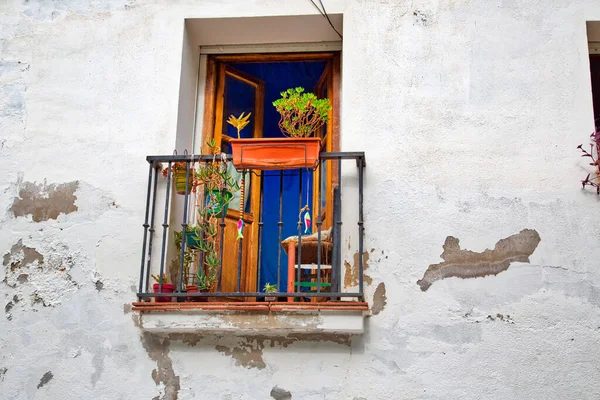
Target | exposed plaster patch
(45,201)
(468,264)
(45,379)
(20,255)
(280,394)
(46,279)
(157,348)
(127,308)
(245,356)
(379,299)
(352,273)
(501,317)
(190,339)
(248,351)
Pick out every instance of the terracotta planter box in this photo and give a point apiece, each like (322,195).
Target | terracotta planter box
(275,153)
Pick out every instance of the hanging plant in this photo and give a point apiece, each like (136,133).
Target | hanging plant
(178,172)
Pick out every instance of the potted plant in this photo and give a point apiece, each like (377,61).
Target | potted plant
(166,288)
(301,115)
(178,172)
(188,259)
(204,284)
(219,185)
(193,236)
(270,289)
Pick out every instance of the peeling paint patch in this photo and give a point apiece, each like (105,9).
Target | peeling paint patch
(45,201)
(248,351)
(244,356)
(352,273)
(468,264)
(3,372)
(99,285)
(379,299)
(45,279)
(280,394)
(501,317)
(157,348)
(45,379)
(19,256)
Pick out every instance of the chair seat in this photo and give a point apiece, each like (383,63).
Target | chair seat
(312,284)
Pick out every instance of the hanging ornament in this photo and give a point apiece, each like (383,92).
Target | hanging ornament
(307,221)
(240,224)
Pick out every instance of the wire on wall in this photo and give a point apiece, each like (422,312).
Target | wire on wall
(324,14)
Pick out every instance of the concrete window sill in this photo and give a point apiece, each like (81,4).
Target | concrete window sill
(253,318)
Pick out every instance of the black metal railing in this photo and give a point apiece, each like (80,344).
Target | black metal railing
(314,275)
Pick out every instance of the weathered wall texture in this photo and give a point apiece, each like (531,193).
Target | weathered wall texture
(469,111)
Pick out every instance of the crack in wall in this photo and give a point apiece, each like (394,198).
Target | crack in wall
(467,264)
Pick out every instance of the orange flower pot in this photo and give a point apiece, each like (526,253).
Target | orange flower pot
(275,153)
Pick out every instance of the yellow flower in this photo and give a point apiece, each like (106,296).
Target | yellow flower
(240,122)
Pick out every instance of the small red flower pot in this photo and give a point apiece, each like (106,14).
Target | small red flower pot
(166,288)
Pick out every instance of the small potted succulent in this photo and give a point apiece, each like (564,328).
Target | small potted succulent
(301,116)
(204,283)
(270,289)
(166,288)
(188,258)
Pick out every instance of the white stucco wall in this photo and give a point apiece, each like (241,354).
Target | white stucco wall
(469,111)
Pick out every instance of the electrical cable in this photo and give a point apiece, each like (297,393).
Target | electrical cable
(324,14)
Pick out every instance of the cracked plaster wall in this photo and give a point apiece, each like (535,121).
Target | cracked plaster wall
(469,111)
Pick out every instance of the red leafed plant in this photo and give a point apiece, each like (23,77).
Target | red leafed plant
(593,178)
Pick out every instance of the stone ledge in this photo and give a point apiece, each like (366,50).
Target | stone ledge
(253,318)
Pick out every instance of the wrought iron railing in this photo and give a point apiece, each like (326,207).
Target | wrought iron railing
(317,274)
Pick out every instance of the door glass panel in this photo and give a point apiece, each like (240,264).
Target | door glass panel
(239,97)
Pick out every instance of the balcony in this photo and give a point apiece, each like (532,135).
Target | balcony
(261,253)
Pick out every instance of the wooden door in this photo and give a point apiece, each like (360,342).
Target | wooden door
(327,171)
(236,93)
